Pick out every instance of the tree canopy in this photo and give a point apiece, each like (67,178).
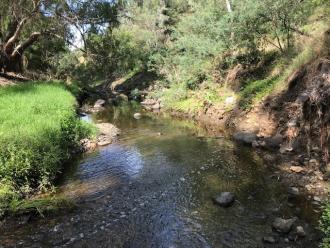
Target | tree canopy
(25,22)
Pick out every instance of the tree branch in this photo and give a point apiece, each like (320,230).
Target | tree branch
(9,45)
(18,51)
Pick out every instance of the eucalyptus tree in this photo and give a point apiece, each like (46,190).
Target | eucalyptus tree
(25,22)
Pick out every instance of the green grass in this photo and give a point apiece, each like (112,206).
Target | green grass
(189,105)
(39,131)
(254,91)
(42,206)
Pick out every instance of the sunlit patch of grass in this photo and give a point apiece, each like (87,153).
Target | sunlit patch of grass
(39,131)
(189,105)
(255,91)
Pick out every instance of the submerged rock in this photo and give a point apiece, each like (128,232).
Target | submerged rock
(269,240)
(294,191)
(283,225)
(107,133)
(273,142)
(245,138)
(225,199)
(300,231)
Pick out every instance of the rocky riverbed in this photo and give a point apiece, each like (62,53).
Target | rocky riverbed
(157,186)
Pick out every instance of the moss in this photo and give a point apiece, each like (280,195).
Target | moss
(41,206)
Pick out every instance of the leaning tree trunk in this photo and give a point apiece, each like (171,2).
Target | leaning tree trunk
(11,56)
(15,64)
(12,48)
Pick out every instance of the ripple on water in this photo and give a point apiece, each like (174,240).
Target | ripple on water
(151,190)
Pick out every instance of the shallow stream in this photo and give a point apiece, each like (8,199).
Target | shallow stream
(153,187)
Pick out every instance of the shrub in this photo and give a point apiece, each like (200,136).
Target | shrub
(255,90)
(325,227)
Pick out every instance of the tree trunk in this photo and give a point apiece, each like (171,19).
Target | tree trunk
(229,9)
(12,60)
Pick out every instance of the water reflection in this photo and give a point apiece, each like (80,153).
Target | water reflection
(153,188)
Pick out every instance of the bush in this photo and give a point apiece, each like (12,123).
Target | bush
(254,91)
(325,227)
(39,130)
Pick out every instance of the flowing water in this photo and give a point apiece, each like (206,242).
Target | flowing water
(153,187)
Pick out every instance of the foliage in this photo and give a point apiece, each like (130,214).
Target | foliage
(255,23)
(196,40)
(39,131)
(45,205)
(325,226)
(55,22)
(254,91)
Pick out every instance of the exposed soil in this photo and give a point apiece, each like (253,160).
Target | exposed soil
(11,79)
(299,115)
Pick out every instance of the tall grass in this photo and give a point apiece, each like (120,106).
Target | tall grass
(39,130)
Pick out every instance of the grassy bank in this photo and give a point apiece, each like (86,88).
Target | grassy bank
(39,131)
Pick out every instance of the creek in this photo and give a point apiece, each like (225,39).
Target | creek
(153,187)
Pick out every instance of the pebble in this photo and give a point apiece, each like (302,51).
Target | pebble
(56,228)
(269,239)
(283,225)
(296,169)
(293,191)
(313,162)
(300,231)
(225,199)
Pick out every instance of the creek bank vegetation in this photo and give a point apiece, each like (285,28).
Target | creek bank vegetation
(260,68)
(39,132)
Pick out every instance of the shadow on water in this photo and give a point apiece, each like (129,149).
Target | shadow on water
(154,188)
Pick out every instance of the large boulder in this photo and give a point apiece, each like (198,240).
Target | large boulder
(245,138)
(283,225)
(225,199)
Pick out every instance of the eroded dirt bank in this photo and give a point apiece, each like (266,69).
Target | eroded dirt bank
(289,129)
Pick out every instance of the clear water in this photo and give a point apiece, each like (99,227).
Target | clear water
(154,187)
